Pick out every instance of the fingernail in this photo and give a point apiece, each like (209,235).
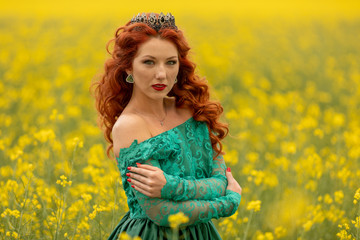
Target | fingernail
(228,169)
(132,186)
(129,180)
(129,168)
(138,164)
(128,174)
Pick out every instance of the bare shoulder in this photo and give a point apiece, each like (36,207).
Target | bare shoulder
(185,111)
(129,127)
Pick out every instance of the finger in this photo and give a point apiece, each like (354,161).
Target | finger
(229,176)
(138,177)
(141,190)
(144,172)
(227,173)
(146,166)
(140,185)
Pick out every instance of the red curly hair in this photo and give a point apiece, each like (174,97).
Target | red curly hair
(112,92)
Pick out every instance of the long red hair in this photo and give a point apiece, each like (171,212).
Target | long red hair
(112,92)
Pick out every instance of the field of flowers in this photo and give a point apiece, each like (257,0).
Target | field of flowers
(291,94)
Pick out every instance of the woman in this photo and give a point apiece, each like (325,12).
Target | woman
(164,132)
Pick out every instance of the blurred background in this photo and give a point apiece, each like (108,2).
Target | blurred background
(286,72)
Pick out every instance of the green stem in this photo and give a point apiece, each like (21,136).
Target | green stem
(23,207)
(64,197)
(175,235)
(357,229)
(100,224)
(248,225)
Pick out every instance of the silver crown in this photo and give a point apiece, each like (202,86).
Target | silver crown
(157,23)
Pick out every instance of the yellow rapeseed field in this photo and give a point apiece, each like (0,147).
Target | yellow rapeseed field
(289,84)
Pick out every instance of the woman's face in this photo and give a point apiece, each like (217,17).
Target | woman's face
(154,68)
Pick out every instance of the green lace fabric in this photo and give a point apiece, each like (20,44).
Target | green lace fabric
(195,181)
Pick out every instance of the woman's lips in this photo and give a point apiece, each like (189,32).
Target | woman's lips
(159,87)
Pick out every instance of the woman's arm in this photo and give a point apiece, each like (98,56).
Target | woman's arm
(180,189)
(158,210)
(149,181)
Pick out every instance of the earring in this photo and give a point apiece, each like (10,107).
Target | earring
(129,79)
(176,80)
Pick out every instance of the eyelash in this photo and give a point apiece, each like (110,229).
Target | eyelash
(148,61)
(172,62)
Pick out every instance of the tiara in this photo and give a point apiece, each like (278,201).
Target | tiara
(157,23)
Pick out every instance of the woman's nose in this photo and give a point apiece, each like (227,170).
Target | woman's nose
(160,72)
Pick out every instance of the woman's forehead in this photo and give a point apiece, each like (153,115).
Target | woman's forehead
(157,47)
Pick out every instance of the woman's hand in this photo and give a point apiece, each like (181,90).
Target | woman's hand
(233,185)
(147,179)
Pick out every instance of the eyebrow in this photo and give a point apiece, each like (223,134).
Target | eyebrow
(149,56)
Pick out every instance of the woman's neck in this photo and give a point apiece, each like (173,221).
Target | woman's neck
(149,107)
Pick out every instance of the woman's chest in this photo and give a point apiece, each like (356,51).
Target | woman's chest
(192,160)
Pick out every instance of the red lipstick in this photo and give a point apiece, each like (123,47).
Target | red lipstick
(159,87)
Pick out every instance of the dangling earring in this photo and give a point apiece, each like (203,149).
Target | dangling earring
(129,79)
(176,80)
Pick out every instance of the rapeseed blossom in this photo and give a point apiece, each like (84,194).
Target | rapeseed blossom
(125,236)
(254,205)
(63,182)
(356,222)
(357,196)
(177,219)
(8,212)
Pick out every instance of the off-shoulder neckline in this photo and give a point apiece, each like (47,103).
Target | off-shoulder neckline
(136,142)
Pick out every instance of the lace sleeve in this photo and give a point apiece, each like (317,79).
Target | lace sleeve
(180,189)
(158,209)
(198,211)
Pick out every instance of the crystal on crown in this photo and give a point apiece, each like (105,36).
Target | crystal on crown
(157,23)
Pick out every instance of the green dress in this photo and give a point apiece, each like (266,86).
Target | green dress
(195,185)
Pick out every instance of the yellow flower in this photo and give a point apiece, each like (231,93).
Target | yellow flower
(328,199)
(338,119)
(8,212)
(54,115)
(266,236)
(176,220)
(232,114)
(15,153)
(254,205)
(86,197)
(45,135)
(343,234)
(357,196)
(63,182)
(84,225)
(280,232)
(98,208)
(15,235)
(356,222)
(288,147)
(319,133)
(252,157)
(125,236)
(339,196)
(73,143)
(231,157)
(307,226)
